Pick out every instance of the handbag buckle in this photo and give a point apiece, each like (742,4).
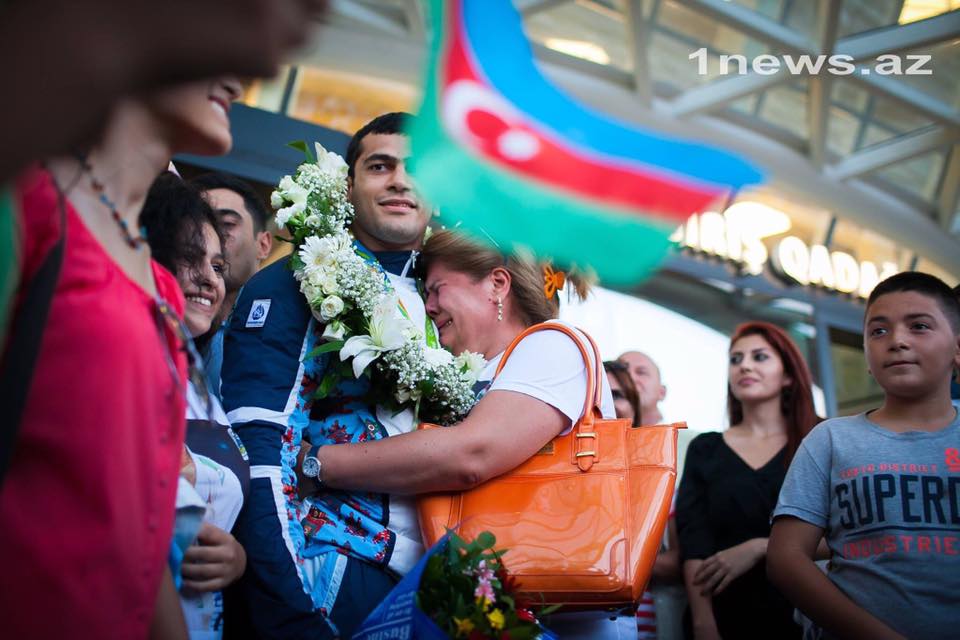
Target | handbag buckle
(587,435)
(584,454)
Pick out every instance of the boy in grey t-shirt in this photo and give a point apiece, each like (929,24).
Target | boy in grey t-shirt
(883,488)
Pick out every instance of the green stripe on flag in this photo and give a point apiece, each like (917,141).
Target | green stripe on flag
(9,267)
(623,247)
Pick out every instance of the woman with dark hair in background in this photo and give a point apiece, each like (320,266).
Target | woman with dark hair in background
(730,485)
(186,237)
(626,400)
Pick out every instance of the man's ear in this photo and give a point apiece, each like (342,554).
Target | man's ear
(349,187)
(264,245)
(663,392)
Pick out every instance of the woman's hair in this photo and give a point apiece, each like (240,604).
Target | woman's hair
(621,372)
(173,217)
(796,399)
(527,277)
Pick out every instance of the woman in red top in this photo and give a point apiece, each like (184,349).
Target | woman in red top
(88,501)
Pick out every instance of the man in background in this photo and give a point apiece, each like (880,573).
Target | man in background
(248,243)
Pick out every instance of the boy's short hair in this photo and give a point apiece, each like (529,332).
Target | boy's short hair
(386,124)
(924,284)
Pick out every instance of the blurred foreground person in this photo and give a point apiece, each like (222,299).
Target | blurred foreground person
(88,499)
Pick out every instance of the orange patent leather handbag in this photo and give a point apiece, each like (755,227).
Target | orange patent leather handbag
(582,520)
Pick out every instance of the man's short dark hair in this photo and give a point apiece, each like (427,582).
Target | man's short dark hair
(386,124)
(251,199)
(924,284)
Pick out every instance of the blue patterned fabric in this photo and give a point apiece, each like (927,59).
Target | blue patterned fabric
(267,389)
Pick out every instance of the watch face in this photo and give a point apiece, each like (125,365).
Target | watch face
(311,467)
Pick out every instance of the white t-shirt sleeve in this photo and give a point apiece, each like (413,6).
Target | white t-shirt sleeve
(548,366)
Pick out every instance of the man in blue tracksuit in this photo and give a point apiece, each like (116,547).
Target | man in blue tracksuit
(316,568)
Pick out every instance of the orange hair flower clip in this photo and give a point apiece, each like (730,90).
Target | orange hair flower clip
(553,281)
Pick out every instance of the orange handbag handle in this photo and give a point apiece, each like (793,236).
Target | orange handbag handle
(584,430)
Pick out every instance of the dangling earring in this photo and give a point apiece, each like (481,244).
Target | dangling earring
(499,309)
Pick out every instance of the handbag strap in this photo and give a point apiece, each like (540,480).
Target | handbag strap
(585,453)
(23,344)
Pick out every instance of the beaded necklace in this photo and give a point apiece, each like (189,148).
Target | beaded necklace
(134,242)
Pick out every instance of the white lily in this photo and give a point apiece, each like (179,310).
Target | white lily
(330,162)
(388,331)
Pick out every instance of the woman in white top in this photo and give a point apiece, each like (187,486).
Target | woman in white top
(186,237)
(480,301)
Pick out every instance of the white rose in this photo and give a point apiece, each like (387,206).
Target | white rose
(328,282)
(334,331)
(311,291)
(437,357)
(330,308)
(276,200)
(313,220)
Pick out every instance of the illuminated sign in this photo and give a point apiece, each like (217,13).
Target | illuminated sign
(738,235)
(835,270)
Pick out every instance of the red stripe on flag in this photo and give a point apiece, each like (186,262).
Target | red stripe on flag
(480,118)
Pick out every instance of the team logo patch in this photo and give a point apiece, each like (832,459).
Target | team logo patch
(258,313)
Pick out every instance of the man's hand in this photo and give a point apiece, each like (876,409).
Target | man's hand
(723,567)
(214,562)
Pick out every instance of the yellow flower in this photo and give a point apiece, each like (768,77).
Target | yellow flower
(496,619)
(483,602)
(464,627)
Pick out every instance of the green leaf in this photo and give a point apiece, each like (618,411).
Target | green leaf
(326,385)
(486,540)
(336,345)
(302,146)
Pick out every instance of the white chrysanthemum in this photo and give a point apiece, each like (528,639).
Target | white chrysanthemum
(317,256)
(471,364)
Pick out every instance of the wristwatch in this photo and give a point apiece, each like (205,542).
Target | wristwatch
(312,467)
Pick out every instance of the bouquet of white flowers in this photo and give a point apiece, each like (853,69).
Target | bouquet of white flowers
(365,321)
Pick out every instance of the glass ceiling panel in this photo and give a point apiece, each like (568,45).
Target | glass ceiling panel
(772,9)
(843,128)
(890,115)
(786,107)
(849,96)
(588,30)
(919,176)
(798,16)
(858,16)
(671,67)
(702,31)
(944,83)
(914,10)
